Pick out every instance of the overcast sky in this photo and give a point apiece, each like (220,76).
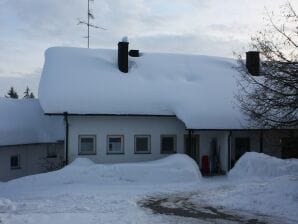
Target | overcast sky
(211,27)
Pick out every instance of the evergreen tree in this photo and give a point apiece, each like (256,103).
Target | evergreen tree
(12,94)
(31,95)
(28,94)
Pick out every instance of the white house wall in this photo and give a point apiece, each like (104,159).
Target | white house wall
(31,159)
(128,127)
(102,126)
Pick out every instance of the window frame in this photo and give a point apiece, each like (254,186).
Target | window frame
(122,144)
(149,144)
(175,143)
(19,162)
(94,144)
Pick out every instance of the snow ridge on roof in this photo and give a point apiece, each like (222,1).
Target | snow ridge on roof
(199,90)
(22,121)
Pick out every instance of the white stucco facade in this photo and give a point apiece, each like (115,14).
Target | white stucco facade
(129,126)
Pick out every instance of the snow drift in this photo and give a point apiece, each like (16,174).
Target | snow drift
(6,205)
(173,169)
(259,165)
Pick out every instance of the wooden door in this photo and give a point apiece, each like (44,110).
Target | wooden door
(194,150)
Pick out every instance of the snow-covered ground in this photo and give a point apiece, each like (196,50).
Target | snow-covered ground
(84,192)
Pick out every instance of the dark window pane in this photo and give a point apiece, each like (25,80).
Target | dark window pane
(14,161)
(168,144)
(142,144)
(87,144)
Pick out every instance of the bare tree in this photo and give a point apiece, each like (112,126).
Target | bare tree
(87,23)
(271,99)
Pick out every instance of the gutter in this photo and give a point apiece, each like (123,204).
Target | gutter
(241,129)
(66,136)
(261,141)
(229,149)
(112,115)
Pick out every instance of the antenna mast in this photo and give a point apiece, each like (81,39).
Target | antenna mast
(88,24)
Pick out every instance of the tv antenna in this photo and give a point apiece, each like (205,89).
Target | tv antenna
(90,16)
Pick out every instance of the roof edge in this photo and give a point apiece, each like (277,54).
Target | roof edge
(241,129)
(33,143)
(101,115)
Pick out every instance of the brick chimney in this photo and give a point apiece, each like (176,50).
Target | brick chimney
(123,55)
(253,62)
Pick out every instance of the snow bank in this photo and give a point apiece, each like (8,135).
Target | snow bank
(259,165)
(22,121)
(173,169)
(275,197)
(6,205)
(157,84)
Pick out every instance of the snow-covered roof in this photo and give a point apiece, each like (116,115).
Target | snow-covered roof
(199,90)
(23,121)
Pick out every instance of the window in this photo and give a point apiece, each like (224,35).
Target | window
(87,144)
(115,144)
(168,144)
(15,162)
(51,151)
(142,143)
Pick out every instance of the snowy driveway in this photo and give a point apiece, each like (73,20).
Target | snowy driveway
(165,191)
(80,203)
(180,207)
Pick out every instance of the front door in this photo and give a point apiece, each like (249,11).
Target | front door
(289,148)
(193,151)
(242,145)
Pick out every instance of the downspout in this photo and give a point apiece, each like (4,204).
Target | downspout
(229,150)
(261,141)
(66,136)
(189,141)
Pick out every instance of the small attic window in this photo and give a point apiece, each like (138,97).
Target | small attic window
(15,161)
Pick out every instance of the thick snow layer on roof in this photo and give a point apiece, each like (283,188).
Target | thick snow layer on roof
(199,90)
(23,121)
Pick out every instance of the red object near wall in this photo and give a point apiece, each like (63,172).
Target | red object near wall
(205,164)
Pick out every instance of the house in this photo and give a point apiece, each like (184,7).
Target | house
(151,105)
(30,142)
